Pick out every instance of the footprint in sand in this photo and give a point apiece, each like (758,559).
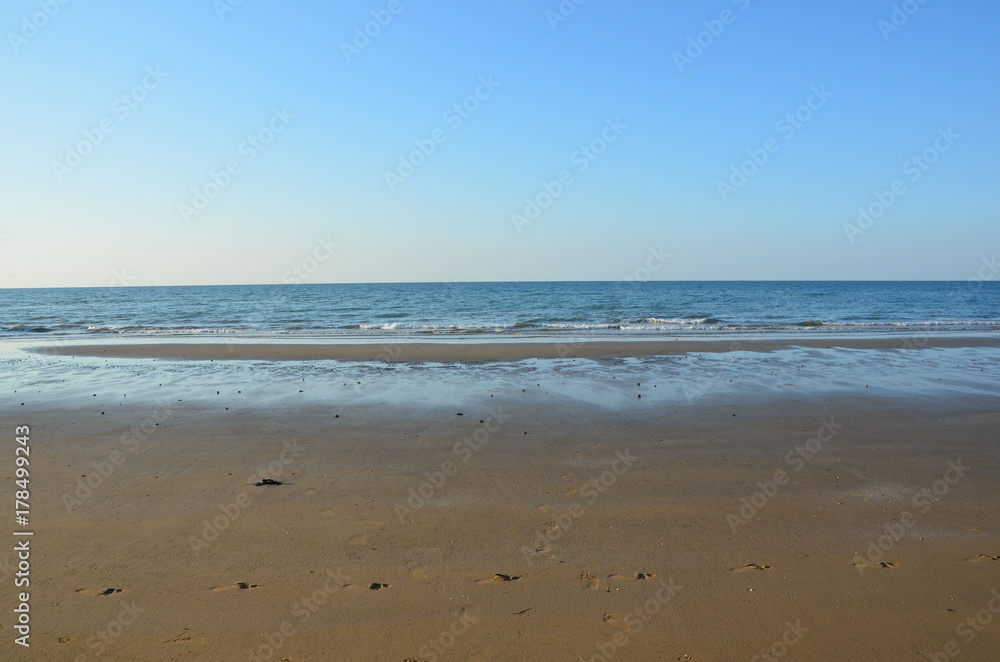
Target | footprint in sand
(614,620)
(327,512)
(311,491)
(593,583)
(552,528)
(359,541)
(374,586)
(637,576)
(984,557)
(544,551)
(752,566)
(422,572)
(887,565)
(90,591)
(63,640)
(183,636)
(239,585)
(499,577)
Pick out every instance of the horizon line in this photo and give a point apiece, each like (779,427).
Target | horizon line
(496,282)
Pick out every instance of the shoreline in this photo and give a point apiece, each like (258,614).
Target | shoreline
(488,351)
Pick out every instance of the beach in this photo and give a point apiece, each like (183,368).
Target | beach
(551,512)
(500,332)
(496,351)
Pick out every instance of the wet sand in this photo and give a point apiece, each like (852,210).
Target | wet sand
(527,528)
(492,351)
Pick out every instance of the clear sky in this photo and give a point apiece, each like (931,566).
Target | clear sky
(739,138)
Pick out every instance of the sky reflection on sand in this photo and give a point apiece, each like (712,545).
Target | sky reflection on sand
(670,381)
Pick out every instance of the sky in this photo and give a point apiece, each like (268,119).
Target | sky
(224,141)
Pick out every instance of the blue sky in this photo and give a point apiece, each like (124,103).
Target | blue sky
(186,87)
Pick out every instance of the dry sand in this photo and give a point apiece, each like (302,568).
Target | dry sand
(561,532)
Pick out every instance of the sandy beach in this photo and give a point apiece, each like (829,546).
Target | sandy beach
(561,331)
(512,524)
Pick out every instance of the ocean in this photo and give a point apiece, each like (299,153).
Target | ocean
(392,314)
(618,309)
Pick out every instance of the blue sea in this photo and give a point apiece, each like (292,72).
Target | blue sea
(33,321)
(530,309)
